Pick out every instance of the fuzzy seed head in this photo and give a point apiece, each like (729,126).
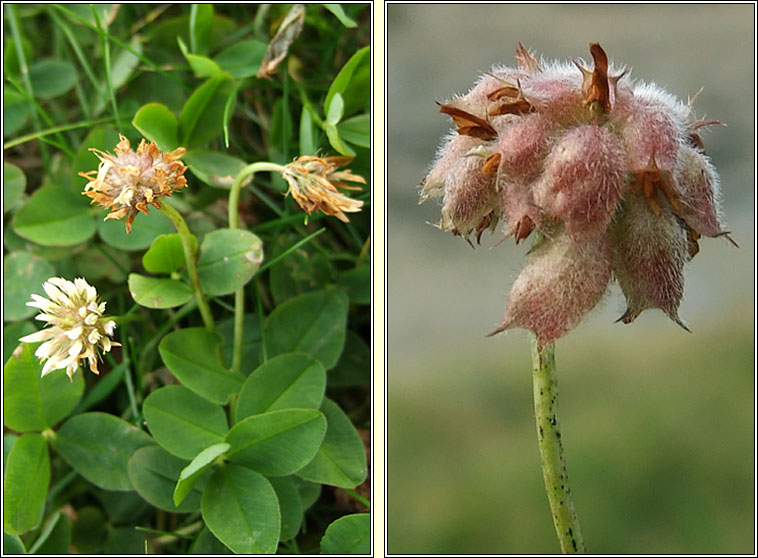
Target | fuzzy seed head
(129,181)
(612,174)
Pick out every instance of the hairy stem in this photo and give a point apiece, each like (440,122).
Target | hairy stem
(239,295)
(551,451)
(190,257)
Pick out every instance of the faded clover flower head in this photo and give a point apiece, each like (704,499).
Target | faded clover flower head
(76,328)
(612,173)
(128,181)
(314,182)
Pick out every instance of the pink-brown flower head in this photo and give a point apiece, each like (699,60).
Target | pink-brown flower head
(611,172)
(314,182)
(130,180)
(75,328)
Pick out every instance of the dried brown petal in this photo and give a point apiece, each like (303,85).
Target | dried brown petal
(469,124)
(596,91)
(651,181)
(526,60)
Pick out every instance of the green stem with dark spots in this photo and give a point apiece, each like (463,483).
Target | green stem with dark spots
(553,461)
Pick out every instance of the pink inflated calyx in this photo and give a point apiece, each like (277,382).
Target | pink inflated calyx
(649,255)
(560,283)
(583,181)
(471,201)
(453,149)
(698,186)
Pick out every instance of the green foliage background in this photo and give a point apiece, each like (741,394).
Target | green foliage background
(657,424)
(126,461)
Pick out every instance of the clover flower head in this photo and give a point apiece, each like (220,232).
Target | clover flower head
(128,181)
(314,182)
(612,174)
(75,326)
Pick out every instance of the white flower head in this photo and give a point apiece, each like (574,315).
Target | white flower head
(75,326)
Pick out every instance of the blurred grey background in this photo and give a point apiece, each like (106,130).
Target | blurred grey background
(658,424)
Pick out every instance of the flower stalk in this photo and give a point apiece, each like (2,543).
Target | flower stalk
(239,294)
(314,183)
(552,459)
(190,257)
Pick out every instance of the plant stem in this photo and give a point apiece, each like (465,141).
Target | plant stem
(551,451)
(239,295)
(234,192)
(190,254)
